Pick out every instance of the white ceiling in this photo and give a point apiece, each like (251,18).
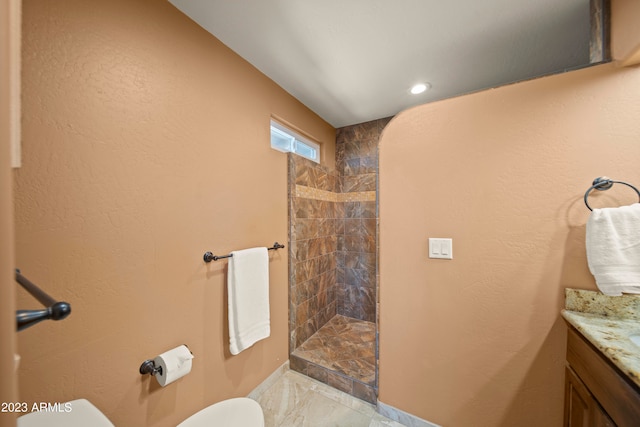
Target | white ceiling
(352,61)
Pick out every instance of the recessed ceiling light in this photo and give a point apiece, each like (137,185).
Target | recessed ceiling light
(419,88)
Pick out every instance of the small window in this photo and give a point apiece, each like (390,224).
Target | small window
(287,141)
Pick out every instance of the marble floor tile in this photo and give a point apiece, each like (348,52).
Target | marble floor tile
(317,409)
(280,400)
(295,400)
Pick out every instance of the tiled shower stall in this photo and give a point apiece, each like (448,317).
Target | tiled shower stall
(333,280)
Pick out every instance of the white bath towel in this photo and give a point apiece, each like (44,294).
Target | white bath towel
(613,249)
(248,289)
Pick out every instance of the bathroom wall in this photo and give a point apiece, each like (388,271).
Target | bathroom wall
(8,385)
(357,162)
(478,340)
(312,227)
(145,144)
(625,33)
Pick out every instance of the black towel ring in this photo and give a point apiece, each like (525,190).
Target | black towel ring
(603,183)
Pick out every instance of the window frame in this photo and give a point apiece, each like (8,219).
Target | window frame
(296,140)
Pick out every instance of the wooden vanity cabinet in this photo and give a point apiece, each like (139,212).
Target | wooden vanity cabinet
(597,394)
(580,407)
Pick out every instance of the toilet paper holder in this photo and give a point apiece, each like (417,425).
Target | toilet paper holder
(149,367)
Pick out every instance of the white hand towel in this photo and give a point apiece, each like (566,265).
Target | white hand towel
(248,290)
(613,249)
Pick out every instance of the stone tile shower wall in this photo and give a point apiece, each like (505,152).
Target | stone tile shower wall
(312,252)
(333,251)
(357,163)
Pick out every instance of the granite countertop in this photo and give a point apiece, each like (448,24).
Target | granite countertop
(607,322)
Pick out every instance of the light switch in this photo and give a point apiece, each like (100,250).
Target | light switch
(440,248)
(445,247)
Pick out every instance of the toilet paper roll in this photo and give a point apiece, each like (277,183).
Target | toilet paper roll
(175,363)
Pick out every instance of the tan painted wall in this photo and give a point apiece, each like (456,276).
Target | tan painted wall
(625,31)
(9,34)
(478,340)
(146,143)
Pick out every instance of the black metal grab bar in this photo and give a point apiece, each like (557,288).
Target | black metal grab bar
(209,256)
(54,310)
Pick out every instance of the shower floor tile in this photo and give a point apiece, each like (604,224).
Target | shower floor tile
(344,345)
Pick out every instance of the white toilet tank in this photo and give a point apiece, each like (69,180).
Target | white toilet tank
(238,412)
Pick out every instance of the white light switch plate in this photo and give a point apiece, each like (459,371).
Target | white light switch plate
(440,248)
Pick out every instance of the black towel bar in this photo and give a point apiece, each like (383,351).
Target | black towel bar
(54,310)
(208,256)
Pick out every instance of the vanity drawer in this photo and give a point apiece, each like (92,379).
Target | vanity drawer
(617,395)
